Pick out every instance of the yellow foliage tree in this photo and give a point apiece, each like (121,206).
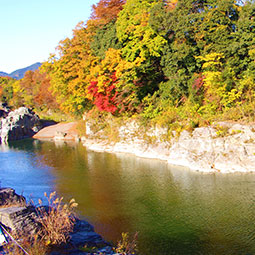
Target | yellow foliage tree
(69,72)
(217,96)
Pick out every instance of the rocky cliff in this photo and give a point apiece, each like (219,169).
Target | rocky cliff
(222,147)
(18,124)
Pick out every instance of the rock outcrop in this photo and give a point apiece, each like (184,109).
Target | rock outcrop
(8,196)
(19,219)
(60,131)
(4,110)
(18,124)
(223,147)
(15,214)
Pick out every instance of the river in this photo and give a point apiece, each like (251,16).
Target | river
(174,210)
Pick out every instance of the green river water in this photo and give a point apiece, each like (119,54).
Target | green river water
(174,210)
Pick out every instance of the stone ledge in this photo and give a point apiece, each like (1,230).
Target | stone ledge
(8,197)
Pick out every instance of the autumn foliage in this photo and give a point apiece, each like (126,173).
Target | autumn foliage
(155,58)
(105,99)
(106,10)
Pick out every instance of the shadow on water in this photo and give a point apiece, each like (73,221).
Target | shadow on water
(175,211)
(22,145)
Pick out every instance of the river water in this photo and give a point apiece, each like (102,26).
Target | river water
(174,210)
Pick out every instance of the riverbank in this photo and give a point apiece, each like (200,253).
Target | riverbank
(60,131)
(223,147)
(46,229)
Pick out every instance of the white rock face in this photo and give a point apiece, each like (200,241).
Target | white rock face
(206,149)
(18,124)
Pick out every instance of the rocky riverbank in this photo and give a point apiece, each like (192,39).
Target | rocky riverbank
(18,124)
(19,218)
(223,147)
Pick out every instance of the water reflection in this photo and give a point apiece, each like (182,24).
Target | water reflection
(174,210)
(21,170)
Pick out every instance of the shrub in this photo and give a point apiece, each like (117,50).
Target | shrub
(126,246)
(57,219)
(26,245)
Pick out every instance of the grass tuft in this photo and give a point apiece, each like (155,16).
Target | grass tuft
(57,219)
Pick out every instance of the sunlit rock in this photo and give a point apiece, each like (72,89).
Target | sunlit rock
(223,147)
(19,124)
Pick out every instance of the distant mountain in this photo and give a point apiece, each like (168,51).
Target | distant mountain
(19,74)
(2,74)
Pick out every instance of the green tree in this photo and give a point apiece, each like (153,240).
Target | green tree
(6,89)
(142,48)
(178,54)
(104,39)
(139,40)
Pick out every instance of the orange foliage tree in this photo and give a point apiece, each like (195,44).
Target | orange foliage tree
(34,91)
(106,10)
(68,72)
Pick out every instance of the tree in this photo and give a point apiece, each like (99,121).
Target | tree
(105,98)
(6,89)
(104,39)
(142,48)
(69,72)
(106,11)
(176,25)
(34,91)
(106,90)
(139,40)
(215,28)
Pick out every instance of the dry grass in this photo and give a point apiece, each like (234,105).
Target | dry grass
(57,219)
(127,246)
(26,245)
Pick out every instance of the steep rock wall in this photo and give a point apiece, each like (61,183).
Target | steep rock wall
(18,124)
(223,147)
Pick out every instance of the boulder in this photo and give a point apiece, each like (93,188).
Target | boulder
(20,219)
(19,124)
(15,214)
(3,113)
(8,196)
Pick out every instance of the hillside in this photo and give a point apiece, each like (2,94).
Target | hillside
(2,74)
(173,67)
(19,74)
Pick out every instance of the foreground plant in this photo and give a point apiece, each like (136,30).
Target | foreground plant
(127,246)
(57,219)
(27,244)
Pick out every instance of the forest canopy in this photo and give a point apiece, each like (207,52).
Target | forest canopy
(162,60)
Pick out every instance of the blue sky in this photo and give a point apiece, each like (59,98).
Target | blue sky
(31,29)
